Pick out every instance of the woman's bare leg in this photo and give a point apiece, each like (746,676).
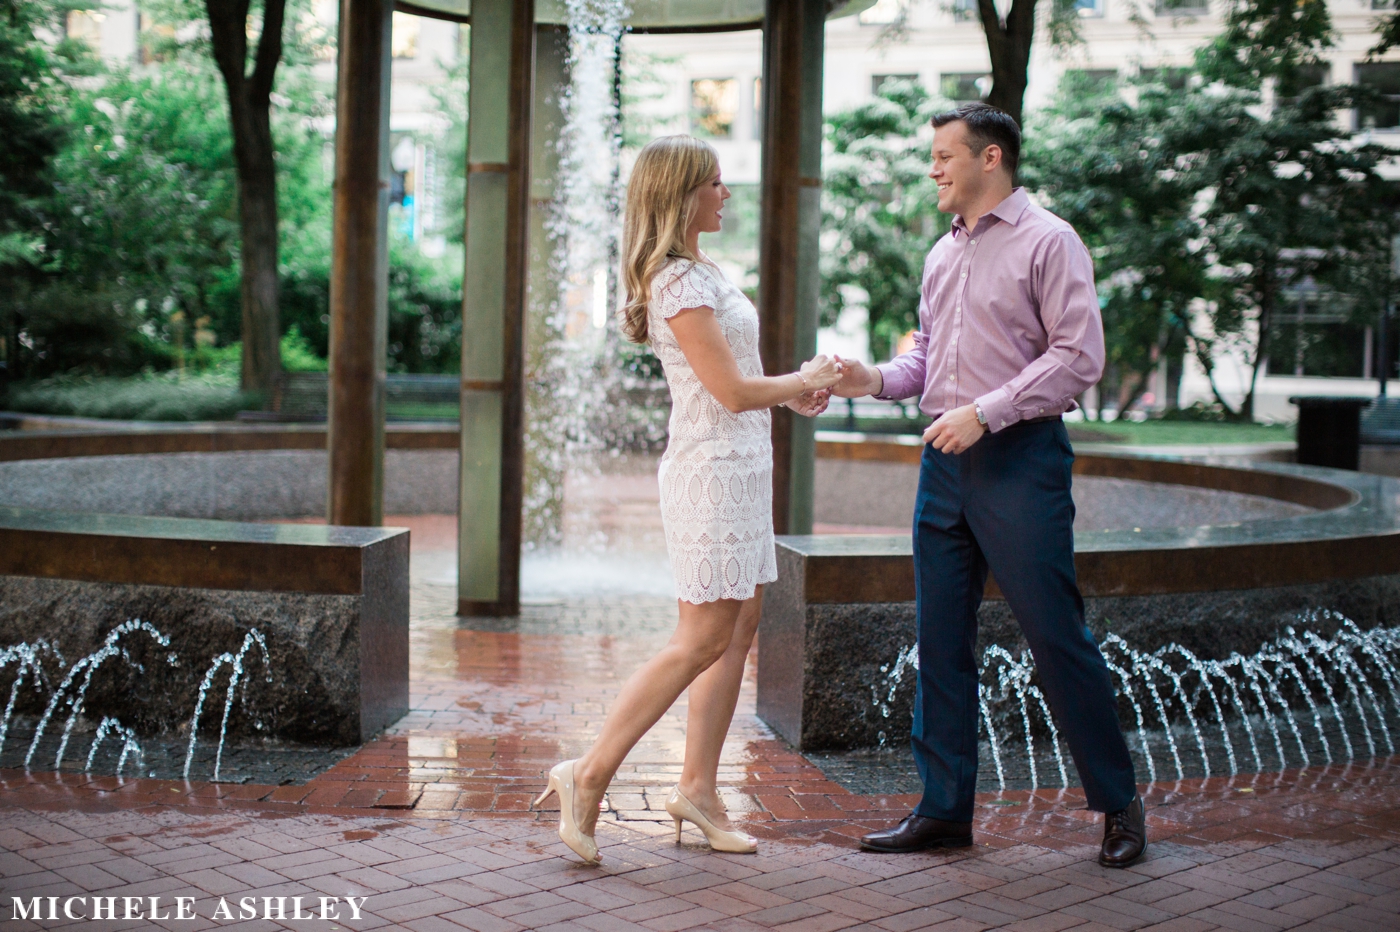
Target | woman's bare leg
(713,696)
(702,637)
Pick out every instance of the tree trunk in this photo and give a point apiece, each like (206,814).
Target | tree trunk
(250,115)
(1009,46)
(1268,297)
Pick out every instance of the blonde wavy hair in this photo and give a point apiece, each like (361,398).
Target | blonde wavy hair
(660,201)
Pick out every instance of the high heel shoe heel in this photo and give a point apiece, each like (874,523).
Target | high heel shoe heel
(561,783)
(683,810)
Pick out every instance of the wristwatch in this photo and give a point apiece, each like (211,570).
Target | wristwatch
(981,416)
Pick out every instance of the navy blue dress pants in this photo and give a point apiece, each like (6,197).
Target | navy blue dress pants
(1005,504)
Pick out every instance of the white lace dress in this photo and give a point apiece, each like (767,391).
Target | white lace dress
(717,472)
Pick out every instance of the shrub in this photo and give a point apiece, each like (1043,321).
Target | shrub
(151,397)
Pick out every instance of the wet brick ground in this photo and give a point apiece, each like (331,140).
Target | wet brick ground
(431,823)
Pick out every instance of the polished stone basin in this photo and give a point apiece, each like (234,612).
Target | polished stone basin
(331,604)
(1327,539)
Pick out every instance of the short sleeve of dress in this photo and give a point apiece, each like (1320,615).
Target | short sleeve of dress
(681,286)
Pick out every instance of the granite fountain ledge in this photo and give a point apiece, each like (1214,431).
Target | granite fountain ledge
(331,602)
(842,606)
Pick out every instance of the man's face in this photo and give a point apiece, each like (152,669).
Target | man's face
(961,175)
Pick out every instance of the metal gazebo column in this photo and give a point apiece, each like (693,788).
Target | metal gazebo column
(790,230)
(493,307)
(359,266)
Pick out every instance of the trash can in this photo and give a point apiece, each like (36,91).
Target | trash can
(1329,430)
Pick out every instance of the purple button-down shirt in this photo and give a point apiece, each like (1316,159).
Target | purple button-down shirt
(1008,318)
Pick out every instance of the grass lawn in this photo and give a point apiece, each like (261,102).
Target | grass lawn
(1147,433)
(1178,432)
(157,397)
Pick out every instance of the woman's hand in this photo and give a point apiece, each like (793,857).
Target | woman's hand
(820,372)
(810,404)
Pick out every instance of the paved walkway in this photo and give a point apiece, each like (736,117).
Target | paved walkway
(428,828)
(1314,850)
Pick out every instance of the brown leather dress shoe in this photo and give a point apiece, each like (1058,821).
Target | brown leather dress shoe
(917,833)
(1124,835)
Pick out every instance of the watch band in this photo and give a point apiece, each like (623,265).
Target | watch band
(981,417)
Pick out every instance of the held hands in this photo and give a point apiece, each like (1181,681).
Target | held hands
(820,372)
(955,430)
(810,404)
(857,379)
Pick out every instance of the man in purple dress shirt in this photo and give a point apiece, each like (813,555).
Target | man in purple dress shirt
(1009,334)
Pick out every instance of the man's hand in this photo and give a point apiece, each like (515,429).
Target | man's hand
(857,379)
(810,404)
(955,431)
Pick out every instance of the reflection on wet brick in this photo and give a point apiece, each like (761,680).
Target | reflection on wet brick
(432,823)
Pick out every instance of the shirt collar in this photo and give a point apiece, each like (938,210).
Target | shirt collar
(1009,210)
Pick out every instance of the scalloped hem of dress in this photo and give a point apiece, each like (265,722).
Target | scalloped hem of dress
(720,597)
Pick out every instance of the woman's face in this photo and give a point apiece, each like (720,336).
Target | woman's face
(709,201)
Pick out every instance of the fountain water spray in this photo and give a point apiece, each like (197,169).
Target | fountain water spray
(88,666)
(235,664)
(1304,672)
(26,658)
(129,743)
(576,403)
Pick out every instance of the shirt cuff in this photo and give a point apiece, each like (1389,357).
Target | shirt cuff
(996,405)
(895,386)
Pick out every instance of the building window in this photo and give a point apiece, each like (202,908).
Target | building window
(1182,7)
(974,85)
(882,13)
(1089,8)
(405,40)
(1384,77)
(84,26)
(1169,77)
(1096,80)
(878,81)
(1304,77)
(965,11)
(1382,4)
(714,102)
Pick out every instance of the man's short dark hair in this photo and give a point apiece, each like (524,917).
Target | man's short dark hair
(986,126)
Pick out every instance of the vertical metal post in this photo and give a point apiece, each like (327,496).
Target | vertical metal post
(790,227)
(1383,347)
(359,266)
(493,307)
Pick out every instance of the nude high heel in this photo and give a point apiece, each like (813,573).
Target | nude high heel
(683,810)
(561,783)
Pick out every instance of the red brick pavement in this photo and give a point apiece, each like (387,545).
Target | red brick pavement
(1310,850)
(431,823)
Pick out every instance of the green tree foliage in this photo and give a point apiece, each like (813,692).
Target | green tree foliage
(880,209)
(1110,169)
(1292,199)
(1266,39)
(132,259)
(32,130)
(1205,208)
(30,122)
(142,233)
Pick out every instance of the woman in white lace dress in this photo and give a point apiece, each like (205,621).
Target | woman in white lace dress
(716,487)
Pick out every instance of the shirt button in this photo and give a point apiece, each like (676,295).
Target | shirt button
(972,242)
(964,275)
(952,378)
